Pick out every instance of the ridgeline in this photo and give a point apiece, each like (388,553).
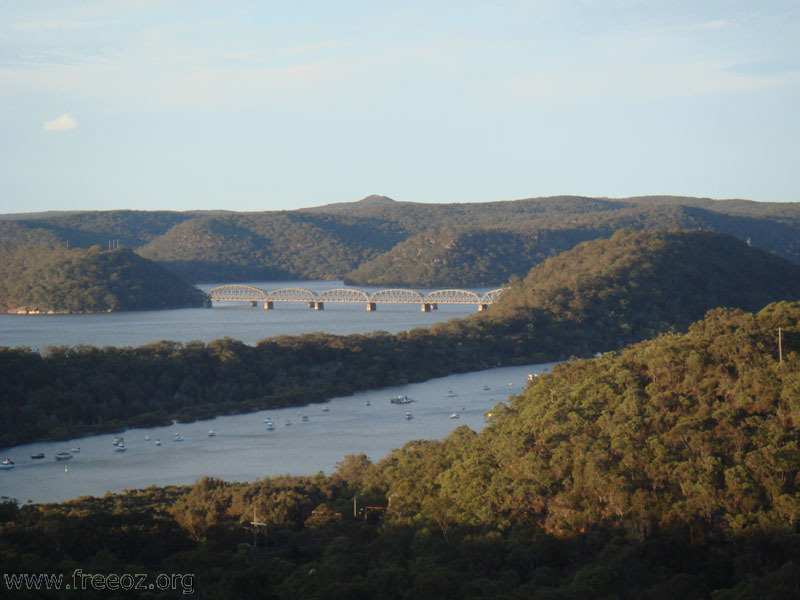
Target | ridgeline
(378,241)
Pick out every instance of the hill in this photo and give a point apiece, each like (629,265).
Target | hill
(605,293)
(47,279)
(380,241)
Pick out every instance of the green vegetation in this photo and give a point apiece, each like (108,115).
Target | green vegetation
(44,279)
(598,296)
(378,241)
(670,469)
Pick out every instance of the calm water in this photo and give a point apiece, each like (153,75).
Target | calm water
(237,320)
(243,450)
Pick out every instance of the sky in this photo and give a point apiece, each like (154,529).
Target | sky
(278,105)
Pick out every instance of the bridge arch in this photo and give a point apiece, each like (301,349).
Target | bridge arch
(453,297)
(398,297)
(236,293)
(291,295)
(344,295)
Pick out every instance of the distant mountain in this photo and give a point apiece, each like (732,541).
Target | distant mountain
(380,241)
(341,207)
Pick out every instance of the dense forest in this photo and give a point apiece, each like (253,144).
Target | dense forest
(54,279)
(669,469)
(595,297)
(378,241)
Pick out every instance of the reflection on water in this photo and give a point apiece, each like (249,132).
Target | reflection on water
(242,448)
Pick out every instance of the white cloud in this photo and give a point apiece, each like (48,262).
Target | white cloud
(63,123)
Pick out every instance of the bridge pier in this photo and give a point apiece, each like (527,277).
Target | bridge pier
(253,302)
(426,307)
(482,307)
(435,306)
(268,305)
(372,306)
(319,306)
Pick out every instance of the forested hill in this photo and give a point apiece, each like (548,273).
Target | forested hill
(54,279)
(604,293)
(379,241)
(669,470)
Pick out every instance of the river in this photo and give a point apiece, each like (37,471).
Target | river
(243,449)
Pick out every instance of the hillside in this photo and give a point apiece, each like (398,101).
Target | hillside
(43,279)
(605,293)
(380,241)
(667,470)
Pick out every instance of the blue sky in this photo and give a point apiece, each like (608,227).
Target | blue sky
(271,105)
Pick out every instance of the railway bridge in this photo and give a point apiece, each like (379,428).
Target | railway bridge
(316,301)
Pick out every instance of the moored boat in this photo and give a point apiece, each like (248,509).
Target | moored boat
(401,400)
(6,463)
(409,416)
(37,456)
(63,456)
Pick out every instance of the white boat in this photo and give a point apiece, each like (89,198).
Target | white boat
(120,447)
(409,416)
(450,394)
(116,441)
(267,420)
(401,400)
(75,450)
(63,456)
(485,386)
(158,442)
(454,415)
(178,438)
(270,426)
(305,418)
(147,438)
(325,408)
(6,463)
(211,433)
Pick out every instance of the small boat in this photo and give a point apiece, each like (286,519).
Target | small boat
(120,447)
(450,394)
(37,456)
(454,415)
(6,463)
(158,442)
(75,449)
(288,422)
(147,438)
(63,456)
(270,426)
(211,433)
(178,438)
(325,408)
(401,400)
(267,420)
(305,419)
(367,403)
(409,416)
(485,386)
(116,441)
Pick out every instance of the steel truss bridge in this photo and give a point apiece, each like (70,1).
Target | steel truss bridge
(316,301)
